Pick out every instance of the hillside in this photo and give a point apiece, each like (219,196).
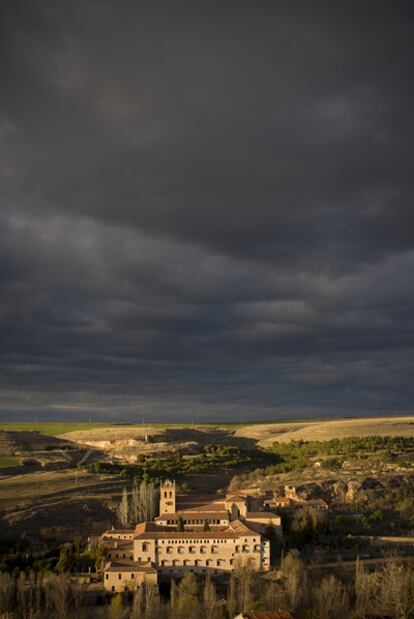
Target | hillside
(266,434)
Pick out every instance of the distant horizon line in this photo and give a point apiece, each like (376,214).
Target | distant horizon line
(240,421)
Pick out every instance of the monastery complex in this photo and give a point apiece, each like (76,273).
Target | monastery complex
(205,537)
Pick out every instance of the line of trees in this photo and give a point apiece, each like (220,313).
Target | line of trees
(36,597)
(388,592)
(140,505)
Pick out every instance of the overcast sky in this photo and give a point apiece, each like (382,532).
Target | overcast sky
(206,208)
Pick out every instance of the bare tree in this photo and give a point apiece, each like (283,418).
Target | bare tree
(123,509)
(144,501)
(116,608)
(331,599)
(232,604)
(152,603)
(186,604)
(135,503)
(245,579)
(7,595)
(173,605)
(58,596)
(389,591)
(274,596)
(138,604)
(294,581)
(211,604)
(29,596)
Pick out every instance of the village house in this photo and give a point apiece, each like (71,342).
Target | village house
(214,538)
(291,501)
(129,575)
(284,502)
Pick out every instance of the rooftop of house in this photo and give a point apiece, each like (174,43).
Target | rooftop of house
(237,496)
(205,502)
(149,530)
(218,515)
(285,500)
(148,527)
(201,507)
(118,544)
(130,566)
(242,528)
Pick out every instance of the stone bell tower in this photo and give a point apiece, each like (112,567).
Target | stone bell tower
(167,497)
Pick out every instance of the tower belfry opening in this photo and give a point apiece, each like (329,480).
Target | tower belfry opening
(167,497)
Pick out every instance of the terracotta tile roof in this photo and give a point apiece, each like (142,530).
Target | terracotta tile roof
(119,544)
(145,527)
(217,505)
(191,515)
(213,506)
(241,528)
(226,534)
(236,497)
(150,530)
(129,566)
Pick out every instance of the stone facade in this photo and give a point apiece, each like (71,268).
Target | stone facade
(217,536)
(287,503)
(128,576)
(215,552)
(167,497)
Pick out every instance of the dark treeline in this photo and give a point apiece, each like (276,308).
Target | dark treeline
(212,458)
(297,455)
(295,587)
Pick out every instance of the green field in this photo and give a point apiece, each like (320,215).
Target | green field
(58,427)
(52,429)
(8,461)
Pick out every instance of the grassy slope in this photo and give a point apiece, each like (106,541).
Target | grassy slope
(58,427)
(8,461)
(52,429)
(279,429)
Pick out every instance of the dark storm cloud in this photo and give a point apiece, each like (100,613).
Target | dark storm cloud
(206,208)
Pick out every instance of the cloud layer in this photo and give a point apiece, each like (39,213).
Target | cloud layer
(206,209)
